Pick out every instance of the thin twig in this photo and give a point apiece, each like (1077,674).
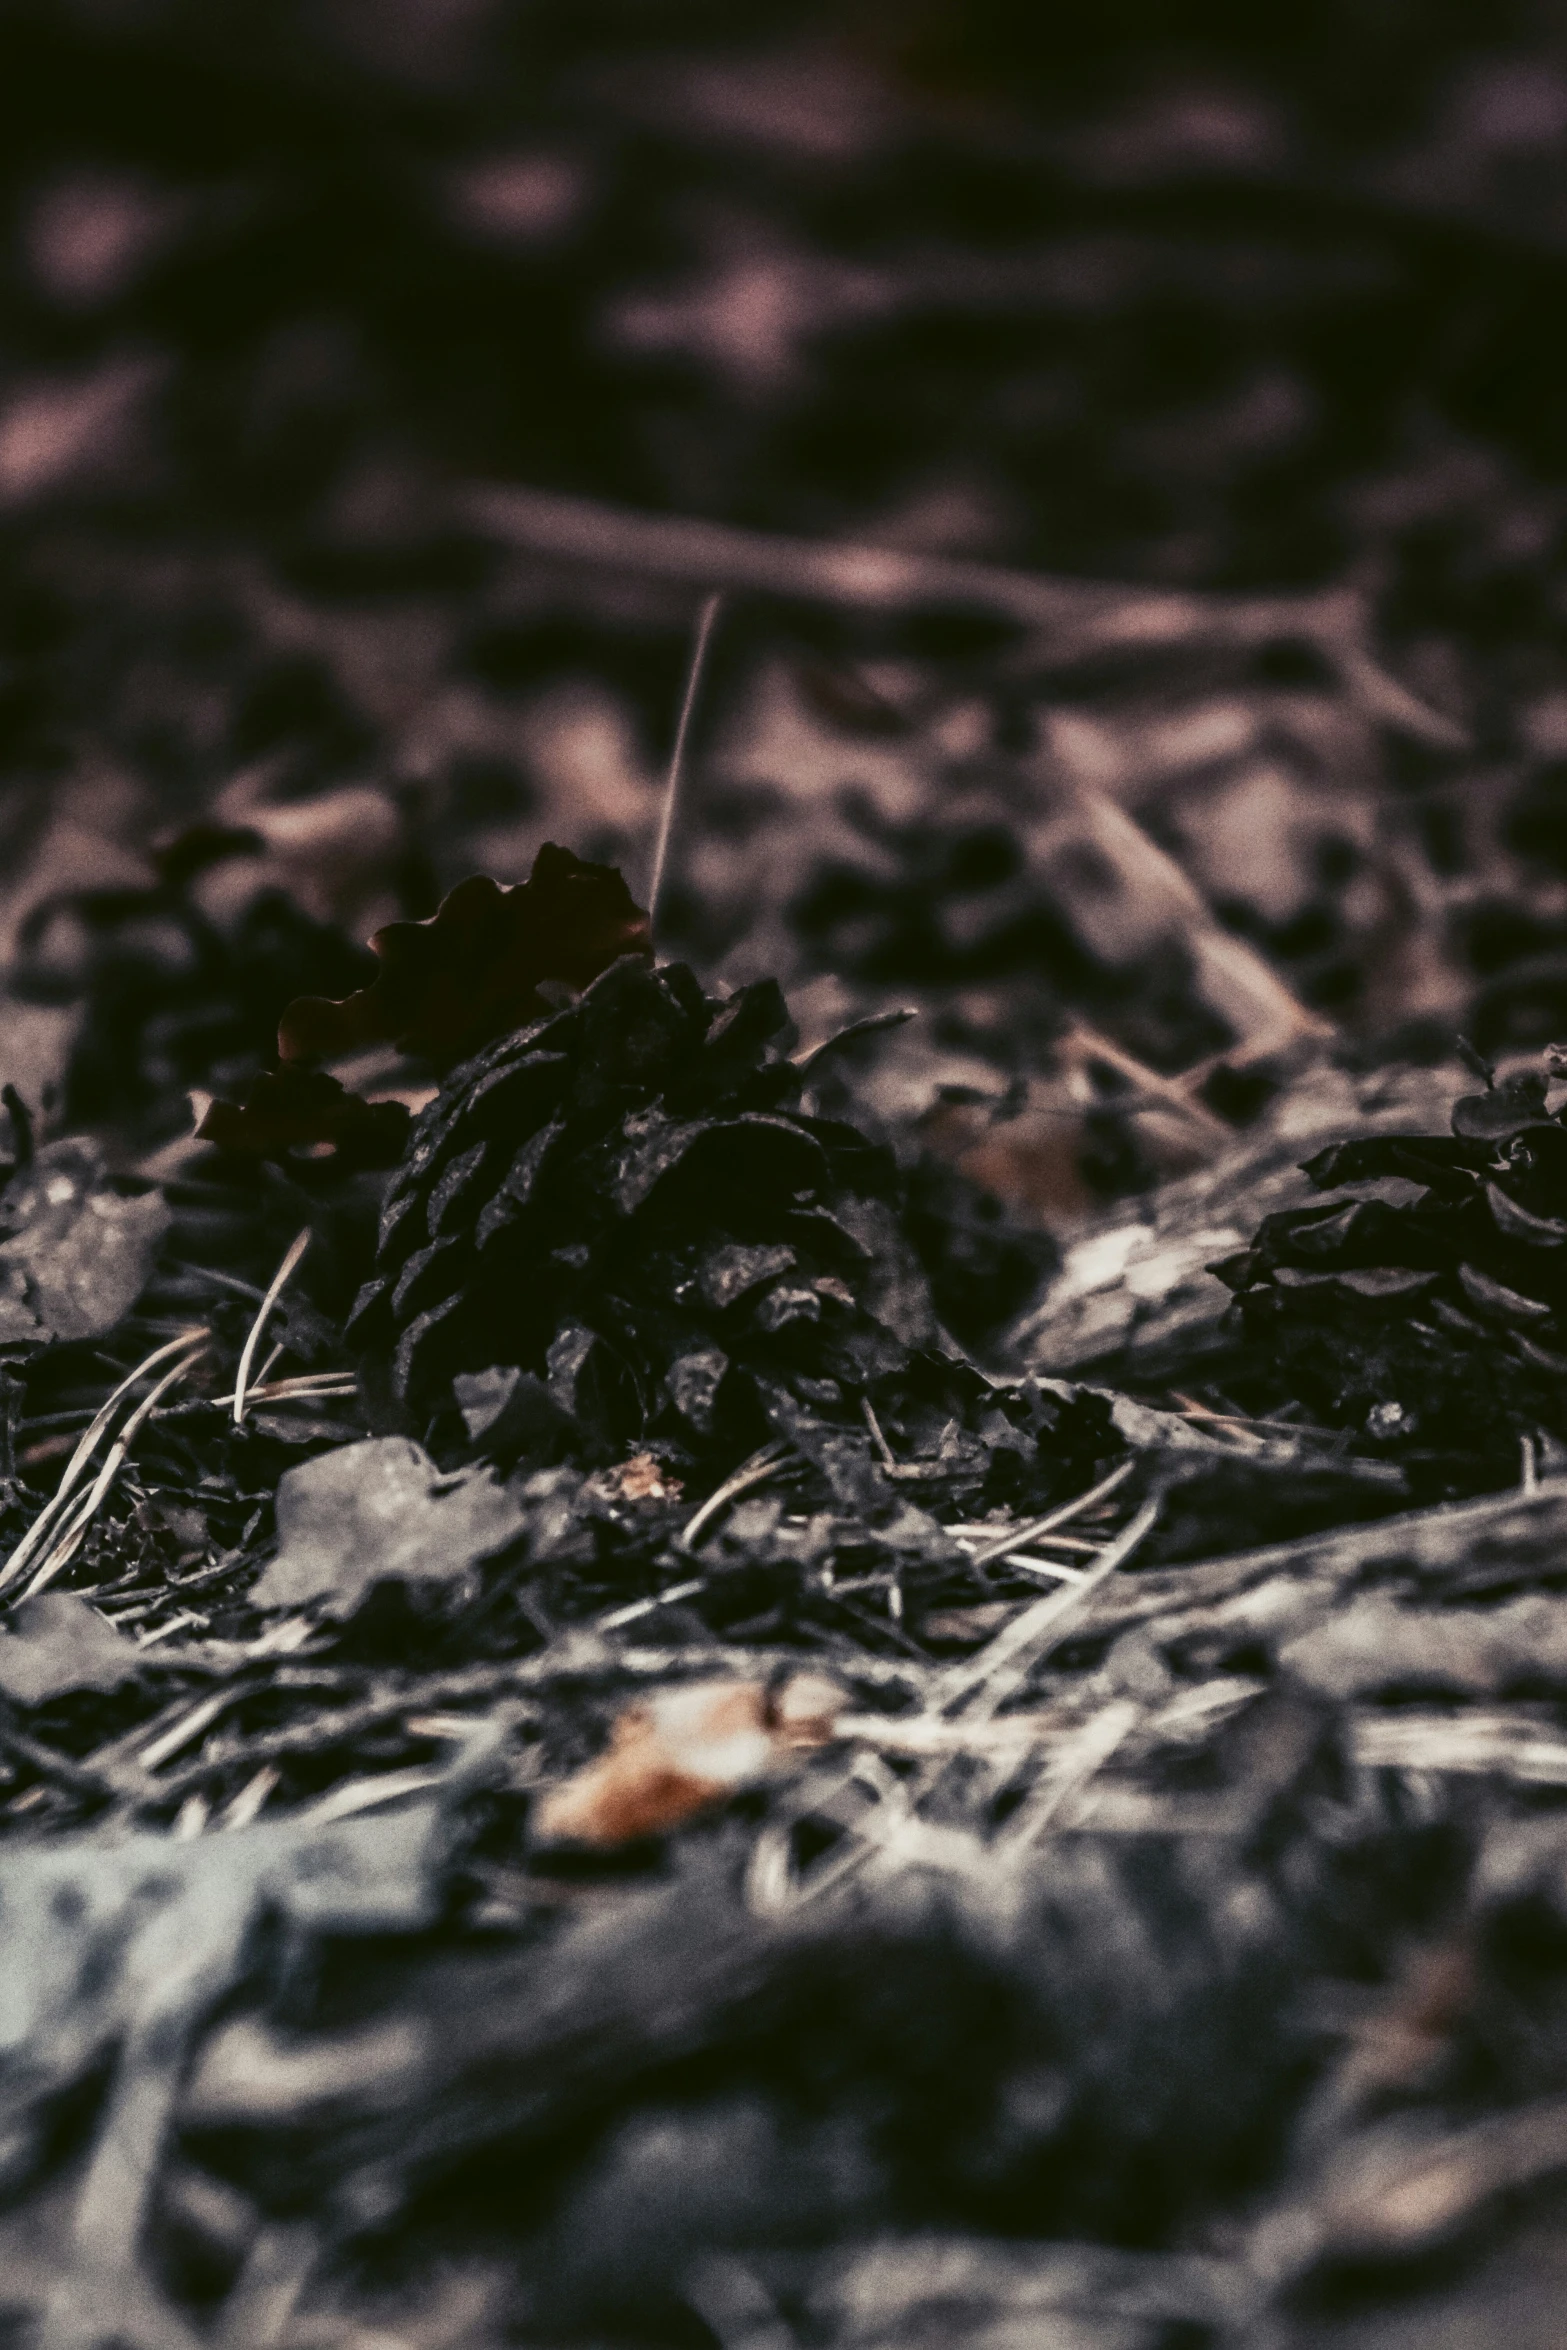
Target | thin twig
(297,1248)
(1231,976)
(79,1778)
(309,1387)
(677,757)
(890,1463)
(983,1530)
(189,1725)
(1070,618)
(357,1795)
(1081,1044)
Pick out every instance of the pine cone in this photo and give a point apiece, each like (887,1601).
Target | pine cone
(626,1200)
(1437,1324)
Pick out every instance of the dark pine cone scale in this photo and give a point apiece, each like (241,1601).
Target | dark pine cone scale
(1435,1323)
(626,1200)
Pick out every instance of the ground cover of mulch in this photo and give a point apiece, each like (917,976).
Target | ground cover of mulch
(837,1619)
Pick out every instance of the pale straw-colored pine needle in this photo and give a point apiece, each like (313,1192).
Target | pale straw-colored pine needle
(761,1465)
(1019,1537)
(1005,1662)
(280,1279)
(65,1547)
(1057,1571)
(308,1387)
(983,1529)
(187,1726)
(49,1519)
(890,1463)
(700,642)
(248,1803)
(645,1607)
(895,1825)
(1068,1771)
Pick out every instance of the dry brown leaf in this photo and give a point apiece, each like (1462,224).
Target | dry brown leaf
(305,1113)
(683,1752)
(472,972)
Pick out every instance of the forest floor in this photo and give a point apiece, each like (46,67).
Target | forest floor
(838,1620)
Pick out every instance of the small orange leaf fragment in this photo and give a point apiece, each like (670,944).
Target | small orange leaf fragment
(683,1752)
(640,1477)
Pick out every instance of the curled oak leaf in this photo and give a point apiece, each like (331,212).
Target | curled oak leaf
(472,972)
(297,1113)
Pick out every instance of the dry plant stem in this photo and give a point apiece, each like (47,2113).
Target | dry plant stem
(280,1279)
(48,1521)
(719,555)
(705,621)
(357,1795)
(889,1459)
(316,1387)
(1384,697)
(1071,618)
(1080,1044)
(1192,1409)
(980,1532)
(1232,978)
(1051,1567)
(1502,1746)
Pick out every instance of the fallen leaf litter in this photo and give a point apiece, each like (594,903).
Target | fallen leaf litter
(443,1642)
(624,1790)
